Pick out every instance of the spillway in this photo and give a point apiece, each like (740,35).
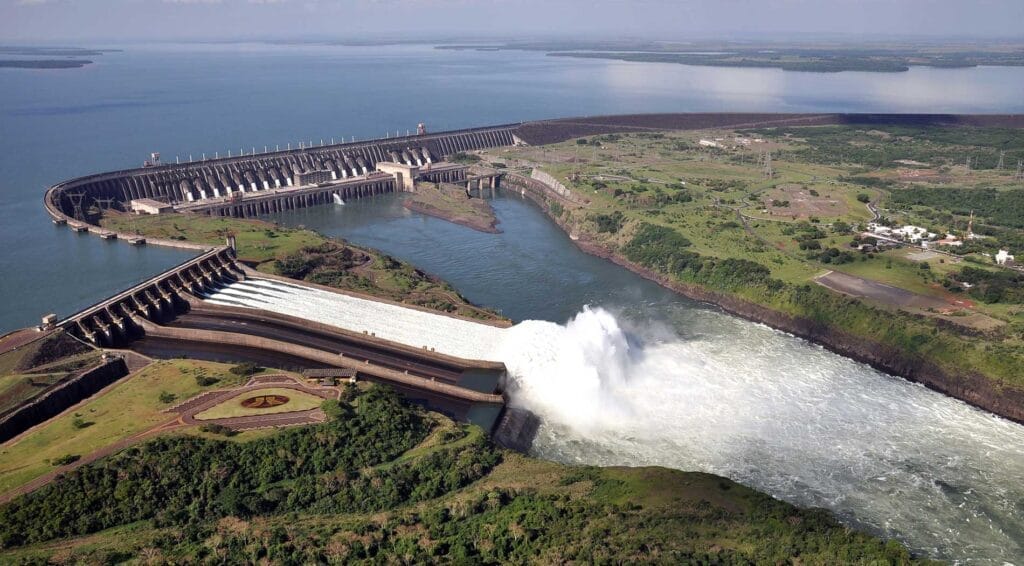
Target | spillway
(416,328)
(654,379)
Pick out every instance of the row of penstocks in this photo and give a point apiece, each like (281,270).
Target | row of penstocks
(447,335)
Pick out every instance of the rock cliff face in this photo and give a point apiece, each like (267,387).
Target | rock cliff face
(974,389)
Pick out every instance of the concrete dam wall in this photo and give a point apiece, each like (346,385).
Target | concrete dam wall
(248,174)
(434,332)
(261,182)
(117,320)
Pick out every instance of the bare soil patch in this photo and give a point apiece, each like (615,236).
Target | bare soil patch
(797,202)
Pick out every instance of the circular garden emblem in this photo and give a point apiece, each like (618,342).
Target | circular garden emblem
(264,401)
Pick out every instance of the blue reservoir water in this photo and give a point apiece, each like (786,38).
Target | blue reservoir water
(186,100)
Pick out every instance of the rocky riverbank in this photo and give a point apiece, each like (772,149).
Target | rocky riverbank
(454,205)
(975,389)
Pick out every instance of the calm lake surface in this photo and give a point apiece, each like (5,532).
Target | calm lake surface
(651,378)
(186,100)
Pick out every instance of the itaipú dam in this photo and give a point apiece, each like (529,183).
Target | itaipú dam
(214,303)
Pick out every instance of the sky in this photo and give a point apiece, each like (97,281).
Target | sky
(133,20)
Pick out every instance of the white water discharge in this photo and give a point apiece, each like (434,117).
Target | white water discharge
(400,324)
(780,415)
(759,406)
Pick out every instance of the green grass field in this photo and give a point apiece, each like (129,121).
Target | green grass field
(257,241)
(127,408)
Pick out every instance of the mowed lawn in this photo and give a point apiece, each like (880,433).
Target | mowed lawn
(257,240)
(130,407)
(297,401)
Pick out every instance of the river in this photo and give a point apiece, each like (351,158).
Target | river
(624,372)
(640,377)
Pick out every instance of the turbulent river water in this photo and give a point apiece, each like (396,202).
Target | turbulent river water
(643,376)
(632,374)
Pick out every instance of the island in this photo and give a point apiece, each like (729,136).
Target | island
(34,57)
(43,63)
(453,204)
(809,56)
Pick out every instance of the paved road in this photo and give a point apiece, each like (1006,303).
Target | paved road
(888,294)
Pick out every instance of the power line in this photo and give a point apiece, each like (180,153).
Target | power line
(76,204)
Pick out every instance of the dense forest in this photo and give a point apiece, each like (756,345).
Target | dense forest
(183,480)
(664,249)
(384,482)
(882,146)
(993,286)
(1002,208)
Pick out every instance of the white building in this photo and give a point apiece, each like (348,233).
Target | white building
(150,206)
(1004,258)
(709,143)
(914,233)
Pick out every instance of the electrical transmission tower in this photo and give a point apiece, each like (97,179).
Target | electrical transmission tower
(105,203)
(1020,170)
(768,171)
(967,164)
(1002,156)
(76,205)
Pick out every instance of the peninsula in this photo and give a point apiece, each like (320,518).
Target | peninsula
(810,56)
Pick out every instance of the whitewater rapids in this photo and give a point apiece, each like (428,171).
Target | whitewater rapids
(738,400)
(780,415)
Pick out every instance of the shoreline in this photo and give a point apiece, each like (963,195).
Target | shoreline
(473,223)
(975,390)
